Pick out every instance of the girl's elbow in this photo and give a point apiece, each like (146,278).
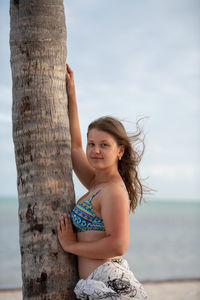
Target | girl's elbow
(122,250)
(120,247)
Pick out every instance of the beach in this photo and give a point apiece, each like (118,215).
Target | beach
(173,290)
(158,290)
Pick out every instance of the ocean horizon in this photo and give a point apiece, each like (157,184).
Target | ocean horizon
(164,241)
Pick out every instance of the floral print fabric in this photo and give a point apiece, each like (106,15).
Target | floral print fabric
(112,280)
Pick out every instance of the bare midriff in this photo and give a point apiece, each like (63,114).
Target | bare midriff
(87,265)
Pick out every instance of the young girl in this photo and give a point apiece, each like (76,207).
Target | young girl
(101,216)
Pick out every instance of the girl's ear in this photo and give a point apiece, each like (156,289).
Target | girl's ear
(121,152)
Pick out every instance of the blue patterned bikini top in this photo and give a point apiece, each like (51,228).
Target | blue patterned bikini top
(84,218)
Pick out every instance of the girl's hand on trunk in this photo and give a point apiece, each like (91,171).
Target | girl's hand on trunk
(70,86)
(66,235)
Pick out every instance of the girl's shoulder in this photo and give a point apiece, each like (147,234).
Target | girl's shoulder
(115,186)
(115,190)
(114,197)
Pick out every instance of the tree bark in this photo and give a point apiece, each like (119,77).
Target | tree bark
(42,145)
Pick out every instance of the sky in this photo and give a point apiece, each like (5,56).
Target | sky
(131,59)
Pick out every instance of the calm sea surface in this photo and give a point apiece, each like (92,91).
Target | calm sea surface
(164,241)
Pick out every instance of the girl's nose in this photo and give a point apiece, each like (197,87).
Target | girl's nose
(96,149)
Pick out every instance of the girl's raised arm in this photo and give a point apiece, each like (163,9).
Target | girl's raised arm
(83,170)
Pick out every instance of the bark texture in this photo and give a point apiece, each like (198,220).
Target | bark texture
(42,145)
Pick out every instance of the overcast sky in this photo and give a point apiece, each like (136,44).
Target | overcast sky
(130,59)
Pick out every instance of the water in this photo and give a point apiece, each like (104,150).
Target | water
(164,241)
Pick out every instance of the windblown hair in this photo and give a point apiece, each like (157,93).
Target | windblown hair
(128,165)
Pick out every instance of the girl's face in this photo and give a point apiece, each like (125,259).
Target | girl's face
(102,149)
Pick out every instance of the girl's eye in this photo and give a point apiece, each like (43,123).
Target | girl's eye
(90,144)
(104,145)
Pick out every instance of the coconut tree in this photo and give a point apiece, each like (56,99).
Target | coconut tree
(42,145)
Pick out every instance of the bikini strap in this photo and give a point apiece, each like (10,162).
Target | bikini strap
(103,187)
(96,194)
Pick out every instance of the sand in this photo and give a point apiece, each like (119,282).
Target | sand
(163,290)
(173,290)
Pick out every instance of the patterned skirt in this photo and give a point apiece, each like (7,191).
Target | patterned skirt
(112,280)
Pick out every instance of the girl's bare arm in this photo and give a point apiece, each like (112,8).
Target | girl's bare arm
(80,163)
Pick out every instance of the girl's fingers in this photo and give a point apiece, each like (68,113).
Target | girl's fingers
(67,76)
(66,221)
(62,222)
(69,69)
(70,221)
(69,218)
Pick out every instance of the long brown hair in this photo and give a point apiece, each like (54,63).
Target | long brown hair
(128,165)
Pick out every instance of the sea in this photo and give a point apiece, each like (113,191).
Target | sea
(164,241)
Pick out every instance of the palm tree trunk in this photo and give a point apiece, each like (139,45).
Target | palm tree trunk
(42,145)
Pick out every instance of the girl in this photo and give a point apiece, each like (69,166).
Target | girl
(101,216)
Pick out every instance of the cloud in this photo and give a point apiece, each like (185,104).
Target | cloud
(138,58)
(171,172)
